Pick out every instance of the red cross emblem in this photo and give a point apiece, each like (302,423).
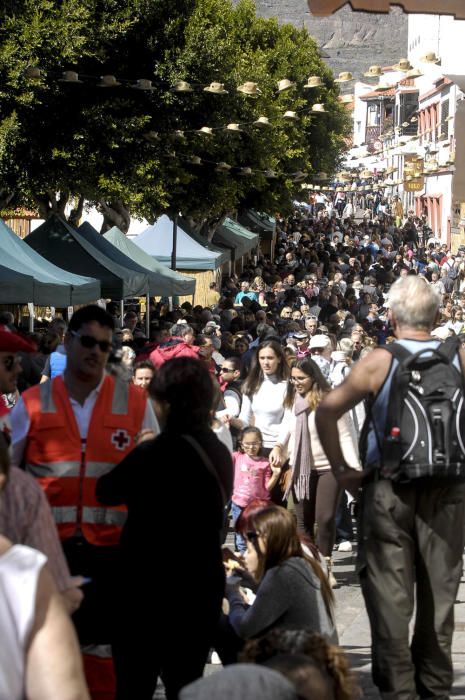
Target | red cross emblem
(121,439)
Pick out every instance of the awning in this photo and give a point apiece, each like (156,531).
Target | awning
(53,285)
(58,242)
(258,222)
(191,253)
(231,234)
(15,288)
(323,8)
(167,282)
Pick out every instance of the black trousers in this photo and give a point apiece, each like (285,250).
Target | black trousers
(94,620)
(160,635)
(319,510)
(411,540)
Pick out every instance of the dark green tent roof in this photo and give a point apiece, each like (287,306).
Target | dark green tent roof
(57,241)
(53,286)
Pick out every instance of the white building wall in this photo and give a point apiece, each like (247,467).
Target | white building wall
(439,33)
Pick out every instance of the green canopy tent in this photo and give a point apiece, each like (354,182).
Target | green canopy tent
(167,282)
(231,233)
(57,241)
(53,286)
(15,288)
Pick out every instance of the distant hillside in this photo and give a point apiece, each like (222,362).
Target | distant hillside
(351,40)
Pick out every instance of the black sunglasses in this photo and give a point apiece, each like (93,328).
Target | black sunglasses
(88,341)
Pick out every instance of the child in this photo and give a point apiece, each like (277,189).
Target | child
(253,477)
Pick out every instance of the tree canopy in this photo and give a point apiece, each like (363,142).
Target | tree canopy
(124,148)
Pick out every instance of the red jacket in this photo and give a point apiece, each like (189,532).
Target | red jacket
(172,347)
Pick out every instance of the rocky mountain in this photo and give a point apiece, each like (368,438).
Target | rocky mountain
(351,41)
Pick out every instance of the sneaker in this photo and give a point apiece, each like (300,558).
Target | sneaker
(345,546)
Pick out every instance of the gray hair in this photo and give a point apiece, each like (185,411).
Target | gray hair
(179,330)
(414,302)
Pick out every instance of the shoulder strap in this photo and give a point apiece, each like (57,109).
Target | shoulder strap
(450,347)
(209,464)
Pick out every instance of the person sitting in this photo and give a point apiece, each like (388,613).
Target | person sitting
(292,588)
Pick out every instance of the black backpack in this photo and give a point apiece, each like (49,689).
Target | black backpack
(424,435)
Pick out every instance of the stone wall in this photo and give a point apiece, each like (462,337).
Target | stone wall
(350,40)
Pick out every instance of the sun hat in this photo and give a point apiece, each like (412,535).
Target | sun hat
(319,341)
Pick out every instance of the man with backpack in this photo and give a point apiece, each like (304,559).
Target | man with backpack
(411,492)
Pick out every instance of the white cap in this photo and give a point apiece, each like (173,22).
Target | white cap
(319,341)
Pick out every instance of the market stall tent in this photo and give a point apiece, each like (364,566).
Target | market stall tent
(57,241)
(203,262)
(15,288)
(157,241)
(53,285)
(168,282)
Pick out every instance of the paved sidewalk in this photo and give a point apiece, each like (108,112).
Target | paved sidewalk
(354,632)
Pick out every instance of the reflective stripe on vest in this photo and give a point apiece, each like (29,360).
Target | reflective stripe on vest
(120,401)
(97,469)
(57,469)
(103,651)
(47,404)
(64,514)
(103,516)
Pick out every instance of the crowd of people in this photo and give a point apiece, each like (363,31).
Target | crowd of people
(244,413)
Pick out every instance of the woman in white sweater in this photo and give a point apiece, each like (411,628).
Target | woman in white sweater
(315,490)
(264,398)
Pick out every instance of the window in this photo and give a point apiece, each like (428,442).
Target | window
(443,129)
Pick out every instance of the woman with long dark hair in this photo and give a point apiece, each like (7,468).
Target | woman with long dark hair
(264,392)
(292,590)
(314,489)
(184,474)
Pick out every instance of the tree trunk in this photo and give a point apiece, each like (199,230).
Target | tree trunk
(206,227)
(49,203)
(115,213)
(74,218)
(5,198)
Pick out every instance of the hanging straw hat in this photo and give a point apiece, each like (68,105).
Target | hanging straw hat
(216,89)
(195,160)
(290,115)
(318,108)
(143,84)
(270,174)
(344,77)
(346,99)
(430,57)
(249,88)
(70,76)
(414,73)
(32,72)
(246,171)
(207,130)
(108,81)
(233,127)
(182,86)
(384,86)
(373,72)
(262,121)
(403,66)
(151,136)
(285,84)
(299,176)
(223,167)
(313,81)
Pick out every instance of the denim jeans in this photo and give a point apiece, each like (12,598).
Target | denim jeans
(240,544)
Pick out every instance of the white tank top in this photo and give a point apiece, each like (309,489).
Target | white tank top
(20,568)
